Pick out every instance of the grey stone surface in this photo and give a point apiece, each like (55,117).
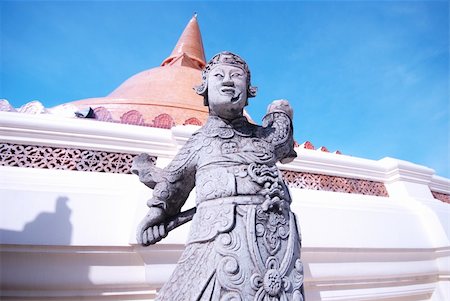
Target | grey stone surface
(244,242)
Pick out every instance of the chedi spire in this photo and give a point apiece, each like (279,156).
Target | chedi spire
(189,48)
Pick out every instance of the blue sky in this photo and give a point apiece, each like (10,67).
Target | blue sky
(367,78)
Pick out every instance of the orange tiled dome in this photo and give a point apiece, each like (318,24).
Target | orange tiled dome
(161,96)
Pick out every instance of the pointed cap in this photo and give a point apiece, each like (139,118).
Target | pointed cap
(189,45)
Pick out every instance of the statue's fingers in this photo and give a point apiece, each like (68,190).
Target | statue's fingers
(150,237)
(162,230)
(139,237)
(143,238)
(140,233)
(156,235)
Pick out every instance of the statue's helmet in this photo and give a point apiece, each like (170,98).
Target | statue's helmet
(224,58)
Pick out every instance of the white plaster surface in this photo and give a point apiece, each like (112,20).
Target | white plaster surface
(69,235)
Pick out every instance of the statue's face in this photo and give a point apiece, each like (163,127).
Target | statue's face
(227,91)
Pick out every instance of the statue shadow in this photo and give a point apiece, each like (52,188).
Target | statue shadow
(39,256)
(48,228)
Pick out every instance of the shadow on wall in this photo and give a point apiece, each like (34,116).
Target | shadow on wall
(48,228)
(37,258)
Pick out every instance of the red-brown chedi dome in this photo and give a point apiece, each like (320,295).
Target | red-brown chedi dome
(190,42)
(161,96)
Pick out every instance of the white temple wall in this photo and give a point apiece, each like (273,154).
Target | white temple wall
(69,235)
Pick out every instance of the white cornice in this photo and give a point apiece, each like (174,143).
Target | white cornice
(335,165)
(399,170)
(51,130)
(386,170)
(440,184)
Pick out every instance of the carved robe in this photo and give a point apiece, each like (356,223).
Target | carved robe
(244,242)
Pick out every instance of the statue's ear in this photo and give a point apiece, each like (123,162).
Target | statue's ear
(251,91)
(203,91)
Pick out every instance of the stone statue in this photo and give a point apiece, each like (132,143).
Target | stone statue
(244,242)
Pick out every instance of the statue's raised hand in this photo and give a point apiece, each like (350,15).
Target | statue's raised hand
(281,105)
(152,228)
(145,168)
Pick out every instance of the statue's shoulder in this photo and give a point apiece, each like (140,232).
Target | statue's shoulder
(218,128)
(215,127)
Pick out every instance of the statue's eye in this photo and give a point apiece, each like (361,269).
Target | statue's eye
(236,75)
(218,75)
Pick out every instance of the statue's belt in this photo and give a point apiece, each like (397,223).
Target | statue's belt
(236,200)
(186,216)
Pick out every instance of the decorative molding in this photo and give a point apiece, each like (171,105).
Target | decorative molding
(443,197)
(132,117)
(306,145)
(399,170)
(312,181)
(32,156)
(5,106)
(318,162)
(440,184)
(33,107)
(193,121)
(323,149)
(102,114)
(406,272)
(62,132)
(387,170)
(33,272)
(164,121)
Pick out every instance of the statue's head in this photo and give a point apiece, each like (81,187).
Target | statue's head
(226,85)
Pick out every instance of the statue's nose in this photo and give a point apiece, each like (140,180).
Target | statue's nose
(228,82)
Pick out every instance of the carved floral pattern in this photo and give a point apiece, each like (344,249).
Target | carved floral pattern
(89,160)
(32,156)
(164,121)
(193,121)
(273,227)
(273,285)
(311,181)
(132,117)
(102,114)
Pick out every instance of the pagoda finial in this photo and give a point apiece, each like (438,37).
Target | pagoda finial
(189,44)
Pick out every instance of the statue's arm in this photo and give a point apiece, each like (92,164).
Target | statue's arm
(171,187)
(278,130)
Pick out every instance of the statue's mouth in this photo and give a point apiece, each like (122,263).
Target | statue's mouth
(227,90)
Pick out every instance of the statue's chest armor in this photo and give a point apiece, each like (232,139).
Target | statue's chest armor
(230,167)
(236,150)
